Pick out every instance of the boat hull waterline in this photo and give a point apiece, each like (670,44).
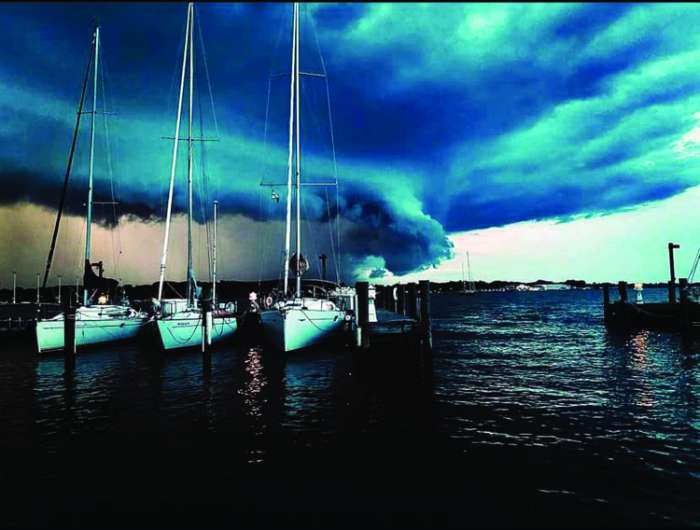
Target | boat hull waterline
(185,331)
(89,331)
(295,329)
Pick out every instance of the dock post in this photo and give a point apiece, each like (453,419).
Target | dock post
(207,320)
(622,288)
(388,298)
(412,301)
(672,282)
(68,336)
(685,315)
(14,287)
(362,289)
(401,302)
(606,303)
(425,313)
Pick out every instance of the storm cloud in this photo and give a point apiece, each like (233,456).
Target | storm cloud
(446,117)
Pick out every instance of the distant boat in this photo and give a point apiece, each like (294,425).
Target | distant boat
(471,287)
(179,320)
(101,322)
(296,321)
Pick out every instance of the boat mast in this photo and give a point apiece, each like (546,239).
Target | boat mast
(69,167)
(469,274)
(213,276)
(173,165)
(88,228)
(190,275)
(288,227)
(298,181)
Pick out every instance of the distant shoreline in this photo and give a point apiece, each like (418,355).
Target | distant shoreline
(232,290)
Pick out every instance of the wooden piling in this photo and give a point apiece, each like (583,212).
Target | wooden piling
(362,289)
(685,313)
(388,298)
(68,336)
(606,303)
(425,314)
(401,302)
(622,289)
(672,281)
(412,301)
(207,307)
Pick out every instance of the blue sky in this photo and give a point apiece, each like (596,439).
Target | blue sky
(449,119)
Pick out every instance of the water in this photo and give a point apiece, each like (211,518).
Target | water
(532,414)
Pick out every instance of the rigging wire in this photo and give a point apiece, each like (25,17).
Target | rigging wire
(338,266)
(170,108)
(263,241)
(203,187)
(110,171)
(205,176)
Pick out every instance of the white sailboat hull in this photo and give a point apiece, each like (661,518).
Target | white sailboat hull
(91,327)
(185,330)
(295,328)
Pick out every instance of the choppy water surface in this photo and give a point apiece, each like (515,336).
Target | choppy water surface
(533,415)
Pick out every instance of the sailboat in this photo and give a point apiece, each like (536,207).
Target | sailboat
(471,288)
(179,320)
(297,321)
(95,322)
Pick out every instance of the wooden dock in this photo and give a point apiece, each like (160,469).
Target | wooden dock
(402,322)
(678,314)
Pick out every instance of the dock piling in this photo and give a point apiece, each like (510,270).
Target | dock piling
(685,313)
(207,306)
(412,301)
(68,336)
(622,289)
(362,289)
(425,313)
(401,302)
(671,265)
(606,303)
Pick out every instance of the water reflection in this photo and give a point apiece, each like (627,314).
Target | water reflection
(521,374)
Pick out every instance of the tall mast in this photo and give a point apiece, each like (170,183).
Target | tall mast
(173,165)
(213,276)
(298,223)
(69,167)
(88,228)
(190,291)
(288,226)
(469,273)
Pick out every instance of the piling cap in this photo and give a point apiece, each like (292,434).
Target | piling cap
(252,296)
(637,286)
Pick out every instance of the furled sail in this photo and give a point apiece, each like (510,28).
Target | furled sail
(98,284)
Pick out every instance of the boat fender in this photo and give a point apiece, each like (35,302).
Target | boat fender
(268,302)
(229,307)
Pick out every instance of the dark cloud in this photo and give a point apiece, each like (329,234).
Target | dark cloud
(468,105)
